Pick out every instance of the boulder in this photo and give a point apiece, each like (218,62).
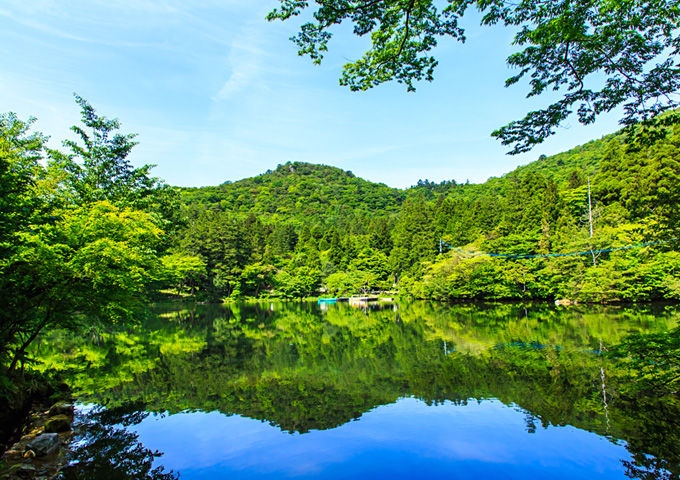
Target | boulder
(44,444)
(58,423)
(61,408)
(20,471)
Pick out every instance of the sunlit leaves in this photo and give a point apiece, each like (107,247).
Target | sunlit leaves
(599,54)
(112,247)
(80,234)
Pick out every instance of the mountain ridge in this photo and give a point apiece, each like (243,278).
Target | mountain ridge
(584,159)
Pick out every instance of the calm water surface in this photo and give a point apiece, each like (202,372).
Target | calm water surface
(404,390)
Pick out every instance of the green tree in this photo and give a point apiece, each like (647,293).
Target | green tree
(218,239)
(96,260)
(352,282)
(284,239)
(414,237)
(380,237)
(336,252)
(181,269)
(20,155)
(66,249)
(99,169)
(303,282)
(257,277)
(565,45)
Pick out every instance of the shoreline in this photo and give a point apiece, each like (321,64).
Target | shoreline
(38,430)
(43,448)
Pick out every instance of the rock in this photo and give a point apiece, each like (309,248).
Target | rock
(20,471)
(45,444)
(58,423)
(61,408)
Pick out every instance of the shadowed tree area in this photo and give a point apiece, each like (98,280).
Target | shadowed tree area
(104,448)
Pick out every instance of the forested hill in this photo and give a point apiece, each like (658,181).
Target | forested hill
(563,168)
(584,159)
(303,229)
(299,190)
(315,192)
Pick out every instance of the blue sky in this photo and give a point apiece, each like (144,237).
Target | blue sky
(217,93)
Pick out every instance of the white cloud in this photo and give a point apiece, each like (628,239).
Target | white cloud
(242,75)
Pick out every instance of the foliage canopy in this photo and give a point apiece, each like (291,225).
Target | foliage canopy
(303,227)
(80,234)
(600,54)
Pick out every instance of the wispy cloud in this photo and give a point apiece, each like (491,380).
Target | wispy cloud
(242,75)
(245,62)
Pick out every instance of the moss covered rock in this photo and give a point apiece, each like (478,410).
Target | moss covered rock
(58,423)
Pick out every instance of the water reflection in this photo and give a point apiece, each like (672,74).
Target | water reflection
(105,448)
(406,439)
(309,371)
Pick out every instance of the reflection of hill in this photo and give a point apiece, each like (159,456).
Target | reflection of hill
(300,370)
(295,405)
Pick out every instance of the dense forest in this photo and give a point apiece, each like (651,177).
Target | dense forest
(305,230)
(85,234)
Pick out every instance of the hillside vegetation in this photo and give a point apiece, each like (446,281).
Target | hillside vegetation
(306,229)
(300,190)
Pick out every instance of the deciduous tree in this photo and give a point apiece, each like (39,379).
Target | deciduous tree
(599,54)
(73,239)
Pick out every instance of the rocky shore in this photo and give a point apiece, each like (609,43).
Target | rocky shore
(41,452)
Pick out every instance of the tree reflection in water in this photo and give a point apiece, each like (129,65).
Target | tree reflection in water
(301,368)
(652,430)
(104,448)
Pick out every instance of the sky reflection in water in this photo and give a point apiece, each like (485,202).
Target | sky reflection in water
(408,439)
(311,372)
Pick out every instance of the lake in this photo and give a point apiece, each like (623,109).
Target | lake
(384,390)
